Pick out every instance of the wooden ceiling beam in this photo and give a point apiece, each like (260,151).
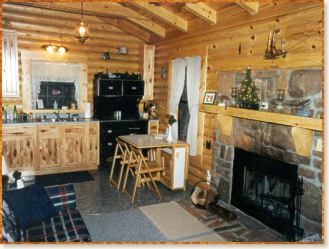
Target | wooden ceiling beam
(129,28)
(119,12)
(162,14)
(202,11)
(141,20)
(250,7)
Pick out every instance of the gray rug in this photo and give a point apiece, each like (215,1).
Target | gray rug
(160,222)
(124,226)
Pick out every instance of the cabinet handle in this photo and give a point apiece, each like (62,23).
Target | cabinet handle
(134,128)
(109,144)
(110,87)
(109,131)
(133,88)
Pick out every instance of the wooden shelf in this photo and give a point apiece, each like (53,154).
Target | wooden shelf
(269,117)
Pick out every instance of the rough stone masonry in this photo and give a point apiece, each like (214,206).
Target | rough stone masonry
(275,140)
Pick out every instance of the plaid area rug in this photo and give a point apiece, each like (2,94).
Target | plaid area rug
(155,223)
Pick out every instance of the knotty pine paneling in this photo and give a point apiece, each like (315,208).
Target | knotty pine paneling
(36,27)
(300,26)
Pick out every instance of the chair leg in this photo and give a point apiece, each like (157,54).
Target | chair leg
(113,163)
(120,174)
(136,181)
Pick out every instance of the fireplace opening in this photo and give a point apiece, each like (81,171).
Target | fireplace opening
(268,190)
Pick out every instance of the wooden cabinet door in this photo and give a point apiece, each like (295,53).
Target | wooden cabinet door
(148,74)
(18,147)
(73,143)
(92,137)
(49,147)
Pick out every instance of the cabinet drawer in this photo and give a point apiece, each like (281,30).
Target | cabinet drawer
(18,131)
(133,88)
(109,87)
(51,130)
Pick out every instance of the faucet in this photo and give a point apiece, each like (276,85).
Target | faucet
(57,115)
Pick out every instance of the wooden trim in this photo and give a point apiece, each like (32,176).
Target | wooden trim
(163,14)
(303,139)
(269,117)
(26,57)
(250,7)
(202,11)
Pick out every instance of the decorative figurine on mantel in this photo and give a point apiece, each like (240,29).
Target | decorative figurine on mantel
(247,95)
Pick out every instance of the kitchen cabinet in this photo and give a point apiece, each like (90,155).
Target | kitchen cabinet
(19,147)
(109,87)
(74,145)
(109,130)
(92,143)
(175,160)
(51,148)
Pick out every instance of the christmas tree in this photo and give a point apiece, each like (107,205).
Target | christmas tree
(247,96)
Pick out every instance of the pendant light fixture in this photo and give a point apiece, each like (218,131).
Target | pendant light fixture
(82,33)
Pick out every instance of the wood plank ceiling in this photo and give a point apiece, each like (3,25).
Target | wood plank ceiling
(150,21)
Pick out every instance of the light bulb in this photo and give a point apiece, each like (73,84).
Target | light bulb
(61,50)
(82,29)
(50,49)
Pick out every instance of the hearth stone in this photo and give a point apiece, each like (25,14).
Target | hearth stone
(224,189)
(304,83)
(292,157)
(225,81)
(311,202)
(244,139)
(307,173)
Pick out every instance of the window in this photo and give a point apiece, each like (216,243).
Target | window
(9,64)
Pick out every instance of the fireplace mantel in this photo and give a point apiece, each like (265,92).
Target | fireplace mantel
(302,127)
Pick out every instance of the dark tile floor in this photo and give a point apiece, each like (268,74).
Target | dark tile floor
(99,196)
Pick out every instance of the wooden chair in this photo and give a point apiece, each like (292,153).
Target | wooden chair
(121,153)
(142,170)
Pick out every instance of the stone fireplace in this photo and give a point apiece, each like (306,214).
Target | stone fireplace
(275,141)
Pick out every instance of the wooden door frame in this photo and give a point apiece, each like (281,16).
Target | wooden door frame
(203,53)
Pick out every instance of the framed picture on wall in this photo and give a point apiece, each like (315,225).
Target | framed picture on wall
(209,98)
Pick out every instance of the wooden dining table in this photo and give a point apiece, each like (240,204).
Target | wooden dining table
(156,144)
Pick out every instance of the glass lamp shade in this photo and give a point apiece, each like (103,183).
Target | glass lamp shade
(50,49)
(82,33)
(61,50)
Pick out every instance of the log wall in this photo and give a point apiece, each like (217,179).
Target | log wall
(36,27)
(300,26)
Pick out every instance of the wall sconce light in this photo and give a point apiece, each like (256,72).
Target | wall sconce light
(50,48)
(271,51)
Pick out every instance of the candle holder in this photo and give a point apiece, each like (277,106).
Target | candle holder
(280,97)
(234,95)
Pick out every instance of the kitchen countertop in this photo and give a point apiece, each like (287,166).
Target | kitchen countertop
(50,122)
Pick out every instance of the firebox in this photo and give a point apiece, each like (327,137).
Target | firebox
(269,190)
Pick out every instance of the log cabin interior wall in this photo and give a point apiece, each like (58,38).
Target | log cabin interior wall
(36,27)
(300,25)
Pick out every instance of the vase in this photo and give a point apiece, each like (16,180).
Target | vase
(169,135)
